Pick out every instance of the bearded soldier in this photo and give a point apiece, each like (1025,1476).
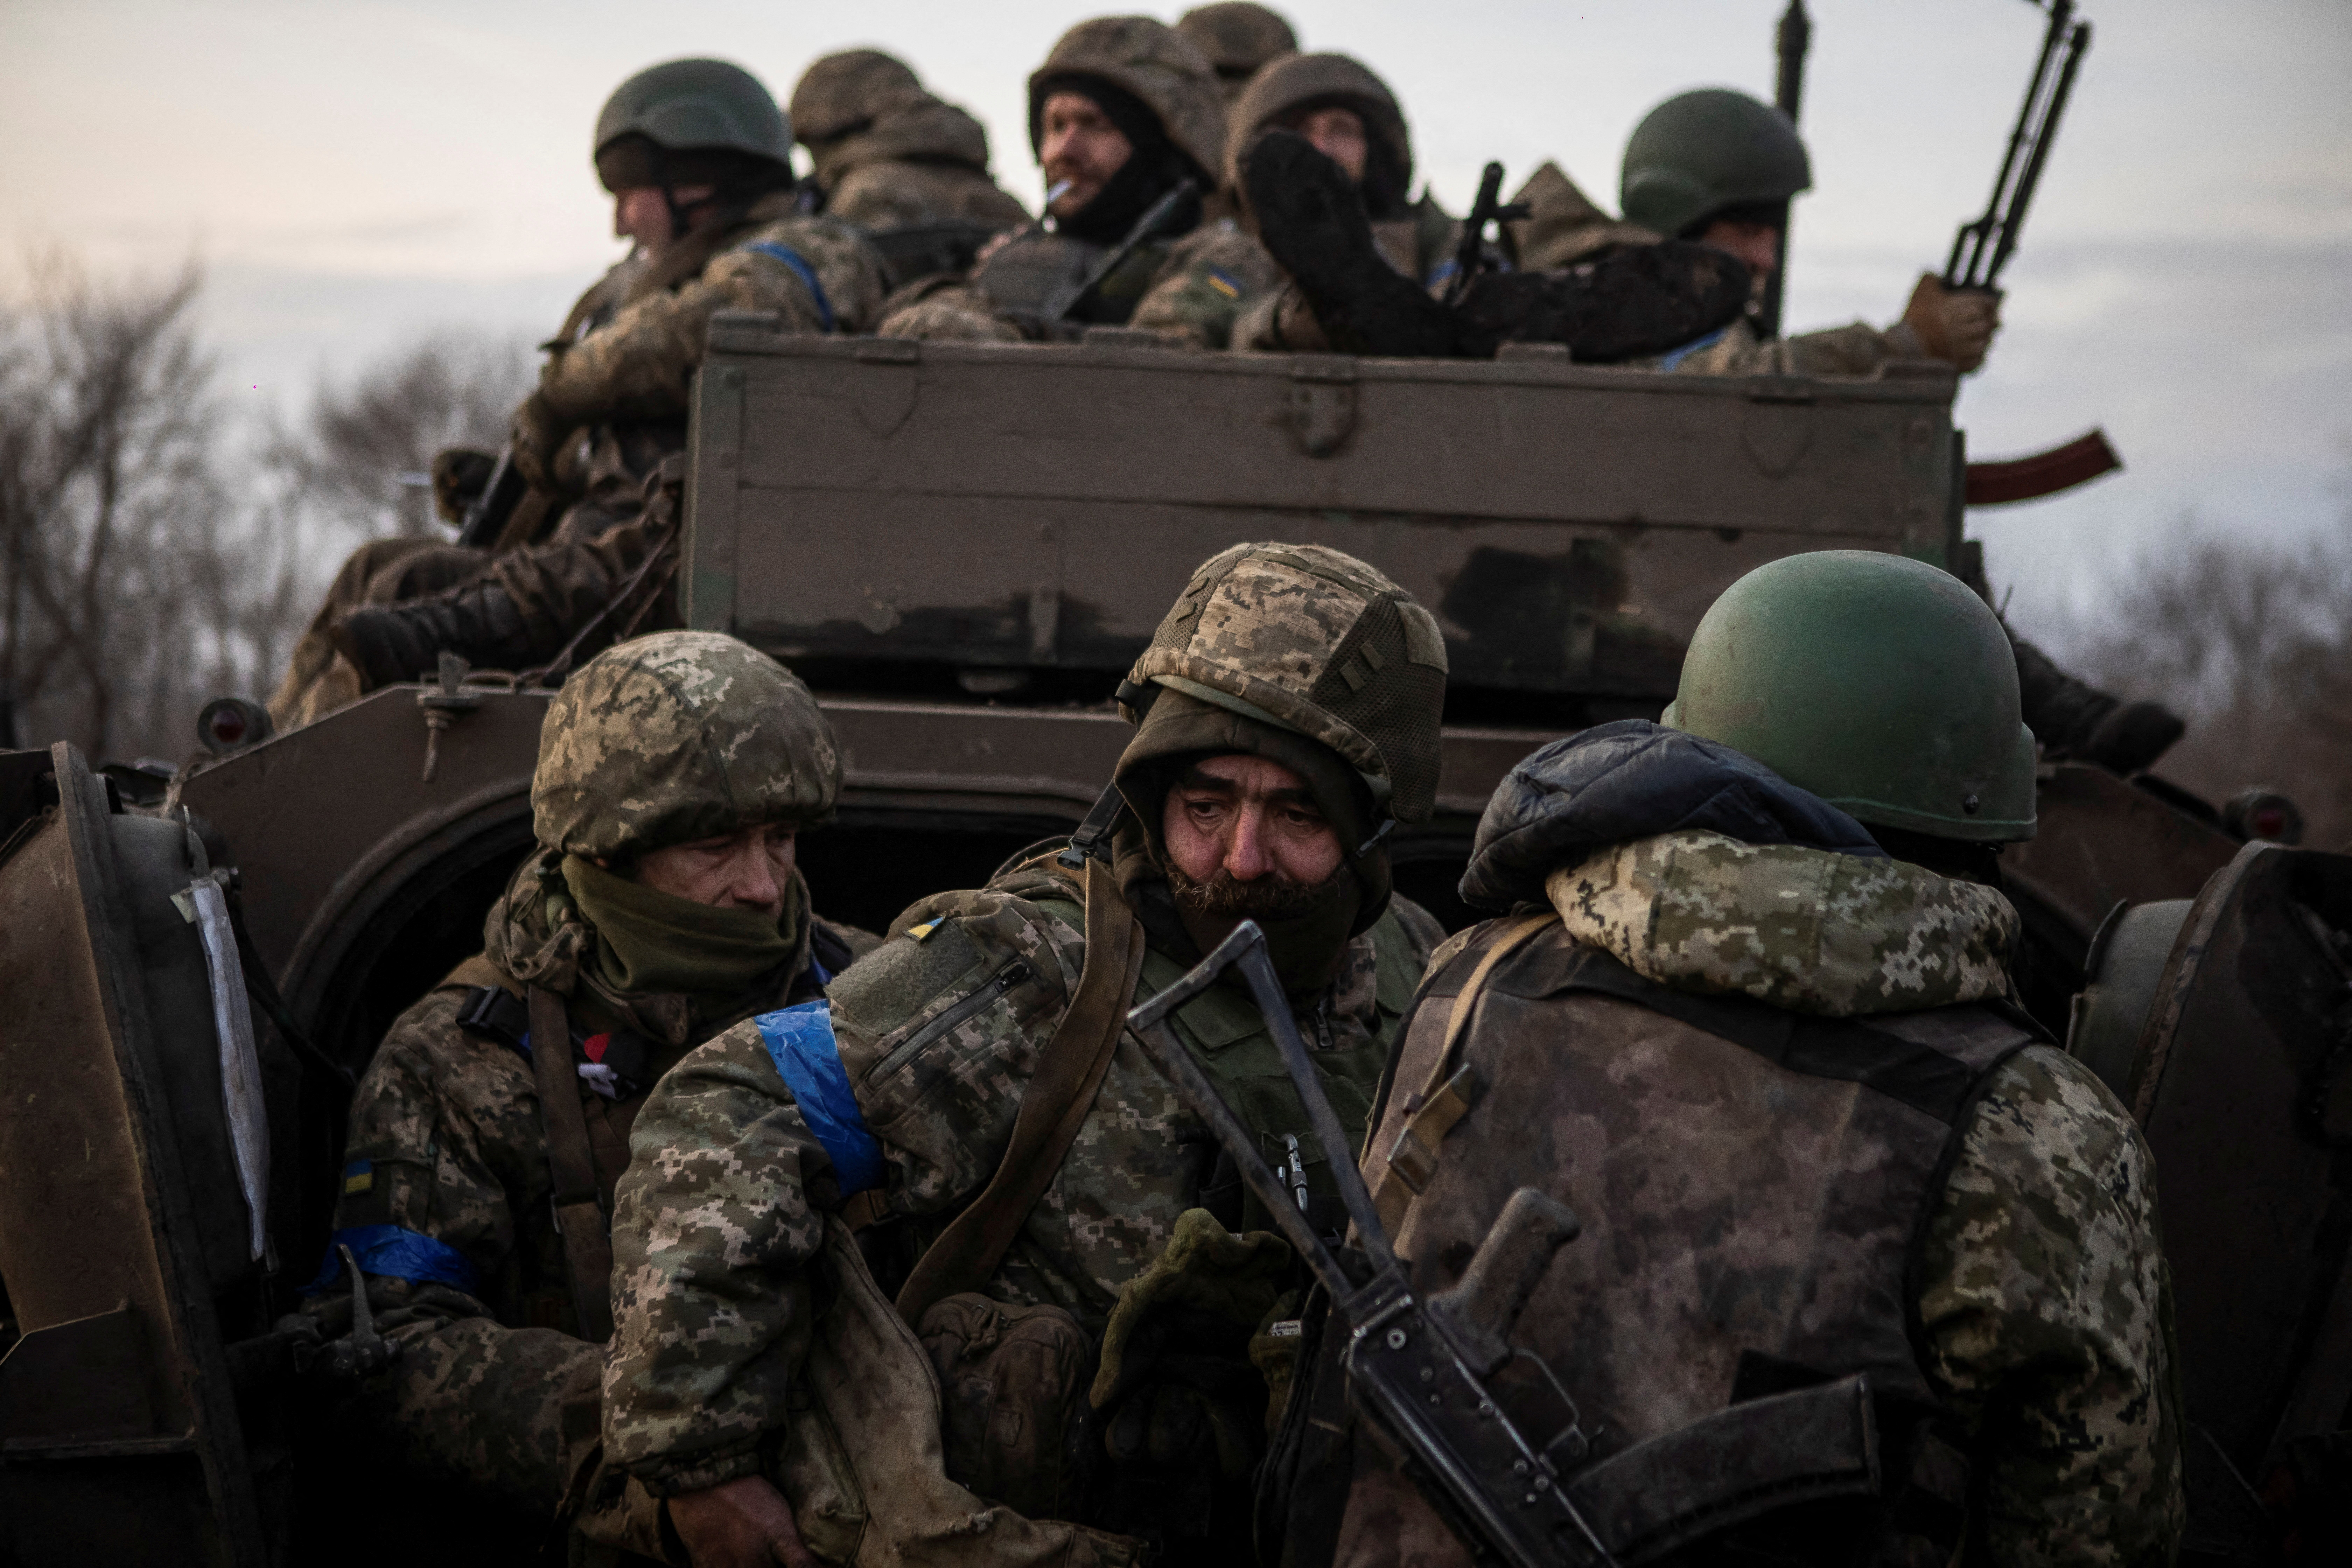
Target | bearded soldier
(1238,38)
(888,154)
(661,905)
(1121,114)
(699,161)
(1757,1032)
(973,1100)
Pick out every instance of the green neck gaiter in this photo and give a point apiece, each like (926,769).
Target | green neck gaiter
(649,941)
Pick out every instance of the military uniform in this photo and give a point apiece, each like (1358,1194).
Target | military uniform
(902,1103)
(448,1192)
(610,408)
(889,156)
(1771,1060)
(1189,285)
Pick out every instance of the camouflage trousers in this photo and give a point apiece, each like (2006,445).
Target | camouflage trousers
(381,572)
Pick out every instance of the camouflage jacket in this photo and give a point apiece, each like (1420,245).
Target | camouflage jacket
(446,1176)
(1190,290)
(937,1034)
(624,362)
(1857,349)
(2038,1318)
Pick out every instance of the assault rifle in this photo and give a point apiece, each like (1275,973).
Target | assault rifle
(1175,212)
(1983,248)
(502,493)
(1470,255)
(1792,41)
(1427,1369)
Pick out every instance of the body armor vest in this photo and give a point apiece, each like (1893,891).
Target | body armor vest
(1754,1184)
(1030,270)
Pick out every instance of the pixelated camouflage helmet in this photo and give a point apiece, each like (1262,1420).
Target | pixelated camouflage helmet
(1305,82)
(1316,642)
(1237,37)
(688,122)
(1697,154)
(675,737)
(847,93)
(1880,684)
(1145,59)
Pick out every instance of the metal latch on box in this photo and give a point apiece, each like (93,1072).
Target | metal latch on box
(1322,403)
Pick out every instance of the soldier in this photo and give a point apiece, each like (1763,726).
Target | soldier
(661,905)
(1758,1034)
(1121,114)
(1719,167)
(1237,40)
(699,161)
(974,1100)
(888,154)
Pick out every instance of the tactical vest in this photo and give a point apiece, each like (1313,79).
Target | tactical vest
(1029,270)
(1755,1187)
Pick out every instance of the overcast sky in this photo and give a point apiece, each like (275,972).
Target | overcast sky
(354,175)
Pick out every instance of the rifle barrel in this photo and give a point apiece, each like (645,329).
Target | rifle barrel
(2078,43)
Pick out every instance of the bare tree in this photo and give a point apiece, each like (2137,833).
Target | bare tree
(2253,645)
(111,511)
(360,454)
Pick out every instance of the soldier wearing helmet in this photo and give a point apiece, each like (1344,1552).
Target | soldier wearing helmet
(1122,113)
(661,905)
(1319,160)
(1749,1015)
(975,1101)
(1719,167)
(1238,38)
(888,155)
(698,159)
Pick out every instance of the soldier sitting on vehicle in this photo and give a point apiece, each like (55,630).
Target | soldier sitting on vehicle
(974,1099)
(891,158)
(1756,1033)
(661,905)
(1320,161)
(1238,39)
(699,160)
(1122,114)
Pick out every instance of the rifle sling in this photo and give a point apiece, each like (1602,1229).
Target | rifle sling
(1060,1093)
(579,1214)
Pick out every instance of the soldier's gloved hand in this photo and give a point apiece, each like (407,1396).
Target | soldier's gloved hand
(746,1524)
(538,432)
(1954,325)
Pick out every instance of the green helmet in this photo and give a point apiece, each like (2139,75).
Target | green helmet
(690,123)
(675,737)
(1699,153)
(1880,684)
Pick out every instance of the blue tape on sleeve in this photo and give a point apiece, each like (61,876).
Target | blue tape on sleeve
(799,1039)
(803,271)
(395,1252)
(1675,356)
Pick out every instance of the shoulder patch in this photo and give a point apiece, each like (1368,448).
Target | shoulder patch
(897,980)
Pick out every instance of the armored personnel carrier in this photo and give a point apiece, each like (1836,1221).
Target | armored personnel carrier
(962,548)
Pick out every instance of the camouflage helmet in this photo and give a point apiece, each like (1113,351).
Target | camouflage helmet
(717,115)
(1317,643)
(1237,37)
(1880,684)
(1300,81)
(675,736)
(1695,155)
(1145,59)
(844,92)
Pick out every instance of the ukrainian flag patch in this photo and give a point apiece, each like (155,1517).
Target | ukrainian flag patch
(1224,285)
(359,1176)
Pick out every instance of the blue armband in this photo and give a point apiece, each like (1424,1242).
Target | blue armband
(800,1041)
(803,271)
(1673,357)
(395,1252)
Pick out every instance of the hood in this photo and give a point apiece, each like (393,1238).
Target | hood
(918,131)
(1810,930)
(1616,783)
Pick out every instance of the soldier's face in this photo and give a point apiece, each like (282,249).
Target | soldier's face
(1250,818)
(1081,146)
(640,213)
(1339,135)
(1757,244)
(745,871)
